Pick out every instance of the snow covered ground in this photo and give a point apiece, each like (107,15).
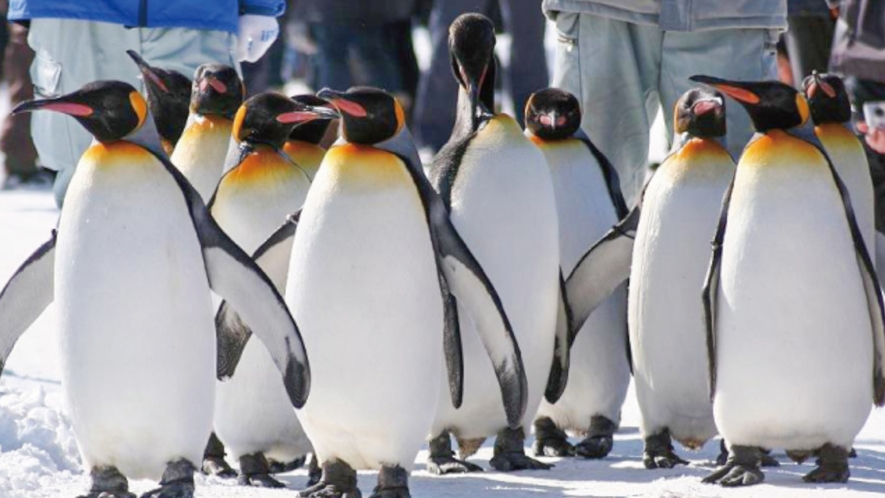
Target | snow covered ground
(38,454)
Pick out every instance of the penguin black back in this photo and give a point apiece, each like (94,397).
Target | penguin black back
(827,98)
(368,115)
(168,98)
(552,114)
(700,113)
(217,89)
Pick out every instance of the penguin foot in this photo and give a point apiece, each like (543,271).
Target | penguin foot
(599,440)
(108,482)
(393,482)
(722,459)
(283,467)
(832,465)
(314,472)
(550,440)
(852,453)
(338,481)
(442,459)
(255,471)
(767,460)
(658,452)
(509,453)
(214,463)
(177,481)
(741,469)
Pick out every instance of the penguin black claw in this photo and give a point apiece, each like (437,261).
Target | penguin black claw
(741,469)
(658,452)
(550,440)
(108,482)
(214,463)
(509,453)
(442,459)
(338,481)
(393,482)
(255,471)
(282,467)
(177,482)
(832,466)
(594,447)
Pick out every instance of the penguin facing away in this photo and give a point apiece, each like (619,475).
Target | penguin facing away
(201,153)
(168,95)
(252,417)
(374,264)
(790,288)
(303,145)
(831,113)
(589,203)
(136,342)
(497,188)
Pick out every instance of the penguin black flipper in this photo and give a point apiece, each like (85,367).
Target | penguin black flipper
(467,281)
(711,288)
(604,267)
(452,341)
(565,336)
(612,180)
(29,291)
(232,334)
(234,276)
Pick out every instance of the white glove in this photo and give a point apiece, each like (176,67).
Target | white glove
(256,34)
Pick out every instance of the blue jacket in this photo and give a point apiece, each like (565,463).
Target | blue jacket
(198,14)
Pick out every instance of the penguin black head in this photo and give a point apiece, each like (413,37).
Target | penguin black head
(312,131)
(700,113)
(552,114)
(168,98)
(368,115)
(268,118)
(472,47)
(772,105)
(109,110)
(217,90)
(827,98)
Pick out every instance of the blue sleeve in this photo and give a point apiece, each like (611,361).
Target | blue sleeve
(273,8)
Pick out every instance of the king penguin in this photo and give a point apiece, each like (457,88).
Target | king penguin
(130,269)
(201,153)
(831,113)
(589,203)
(793,305)
(303,145)
(252,417)
(497,187)
(168,95)
(375,263)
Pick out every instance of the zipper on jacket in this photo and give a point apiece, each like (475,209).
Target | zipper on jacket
(142,13)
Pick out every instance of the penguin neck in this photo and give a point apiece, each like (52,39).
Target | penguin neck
(465,121)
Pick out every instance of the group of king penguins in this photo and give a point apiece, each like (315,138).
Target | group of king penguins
(506,288)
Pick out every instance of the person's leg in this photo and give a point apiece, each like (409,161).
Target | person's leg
(808,44)
(736,54)
(612,67)
(860,91)
(376,58)
(185,49)
(15,138)
(525,22)
(332,57)
(438,91)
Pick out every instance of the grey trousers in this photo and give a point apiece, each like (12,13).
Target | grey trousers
(621,72)
(71,53)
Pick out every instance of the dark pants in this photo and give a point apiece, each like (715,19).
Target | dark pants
(862,91)
(15,137)
(374,60)
(438,91)
(808,44)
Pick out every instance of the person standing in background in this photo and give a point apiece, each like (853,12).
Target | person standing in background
(809,37)
(438,90)
(84,41)
(625,59)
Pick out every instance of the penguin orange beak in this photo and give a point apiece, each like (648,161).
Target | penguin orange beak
(65,105)
(339,100)
(702,107)
(308,113)
(735,89)
(214,82)
(819,84)
(147,71)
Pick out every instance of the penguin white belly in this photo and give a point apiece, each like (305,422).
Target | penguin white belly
(135,318)
(794,346)
(503,206)
(599,373)
(364,289)
(680,212)
(850,161)
(201,152)
(252,410)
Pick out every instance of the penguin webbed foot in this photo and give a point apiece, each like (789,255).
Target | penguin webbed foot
(393,482)
(259,481)
(177,482)
(108,482)
(314,472)
(509,453)
(283,467)
(338,481)
(741,469)
(832,466)
(442,459)
(599,440)
(214,463)
(658,452)
(550,440)
(255,472)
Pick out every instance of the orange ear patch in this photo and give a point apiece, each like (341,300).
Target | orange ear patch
(238,122)
(738,94)
(802,105)
(139,106)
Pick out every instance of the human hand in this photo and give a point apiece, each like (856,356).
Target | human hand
(255,36)
(875,137)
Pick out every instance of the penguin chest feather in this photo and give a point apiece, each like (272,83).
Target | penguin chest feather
(363,286)
(794,344)
(201,151)
(136,336)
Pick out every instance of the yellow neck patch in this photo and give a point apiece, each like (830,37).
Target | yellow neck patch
(139,106)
